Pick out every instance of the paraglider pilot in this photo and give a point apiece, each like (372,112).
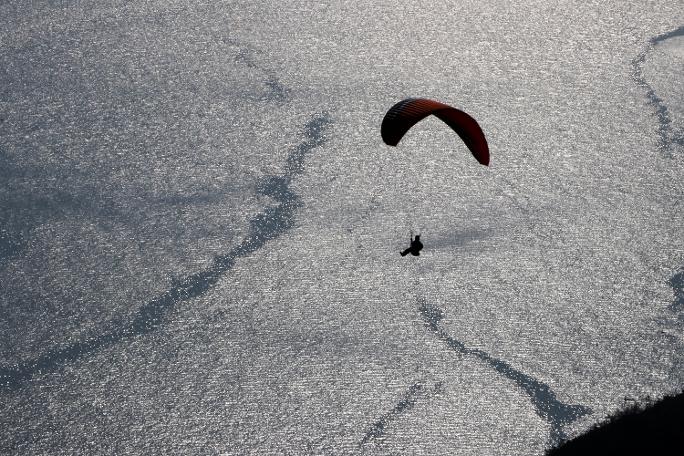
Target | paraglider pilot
(415,248)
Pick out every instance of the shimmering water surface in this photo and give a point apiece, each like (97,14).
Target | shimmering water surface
(200,225)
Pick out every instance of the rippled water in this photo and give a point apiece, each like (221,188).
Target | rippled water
(200,225)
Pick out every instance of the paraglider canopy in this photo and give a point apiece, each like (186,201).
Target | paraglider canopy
(405,114)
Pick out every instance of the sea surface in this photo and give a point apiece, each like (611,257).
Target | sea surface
(200,225)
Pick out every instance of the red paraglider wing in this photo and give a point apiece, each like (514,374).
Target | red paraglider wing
(405,114)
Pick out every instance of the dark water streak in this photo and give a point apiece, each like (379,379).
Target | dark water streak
(667,137)
(274,221)
(410,398)
(677,284)
(544,400)
(276,91)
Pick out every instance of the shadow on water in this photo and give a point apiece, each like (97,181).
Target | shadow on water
(667,136)
(546,405)
(269,224)
(459,239)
